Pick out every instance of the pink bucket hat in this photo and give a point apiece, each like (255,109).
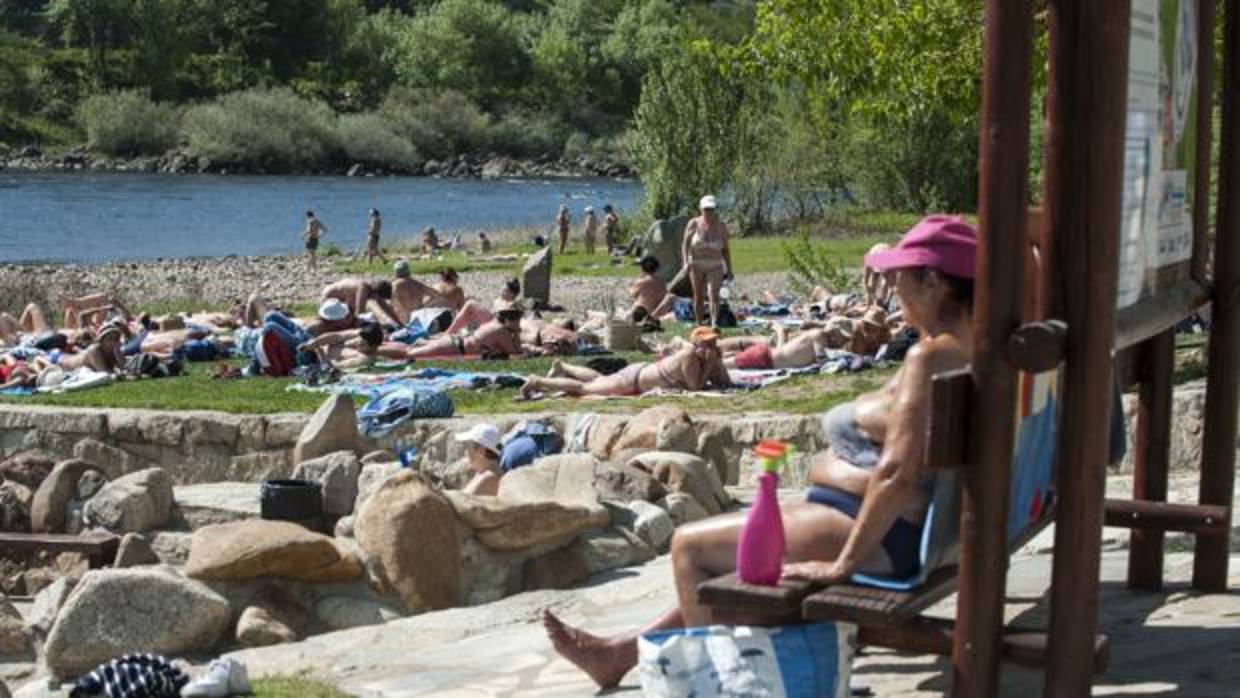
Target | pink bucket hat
(943,243)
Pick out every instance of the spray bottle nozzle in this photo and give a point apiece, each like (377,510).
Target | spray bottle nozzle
(773,454)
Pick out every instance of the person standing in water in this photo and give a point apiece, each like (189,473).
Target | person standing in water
(590,232)
(562,222)
(314,230)
(373,230)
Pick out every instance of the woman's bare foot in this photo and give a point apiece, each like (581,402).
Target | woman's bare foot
(557,369)
(529,388)
(604,661)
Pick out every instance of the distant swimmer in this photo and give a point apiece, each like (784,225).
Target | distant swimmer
(314,230)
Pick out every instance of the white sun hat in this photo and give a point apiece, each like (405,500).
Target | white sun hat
(485,435)
(707,201)
(333,310)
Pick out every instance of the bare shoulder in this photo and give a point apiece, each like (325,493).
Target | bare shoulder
(935,354)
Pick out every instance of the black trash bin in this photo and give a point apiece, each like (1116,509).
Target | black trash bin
(299,501)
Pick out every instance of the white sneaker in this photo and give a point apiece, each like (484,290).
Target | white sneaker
(224,677)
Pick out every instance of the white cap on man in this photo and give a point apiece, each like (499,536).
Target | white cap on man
(485,435)
(333,310)
(707,202)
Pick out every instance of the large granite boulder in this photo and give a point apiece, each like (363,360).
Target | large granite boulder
(536,277)
(30,468)
(15,500)
(562,568)
(276,616)
(565,478)
(511,526)
(134,551)
(137,502)
(409,532)
(332,428)
(681,472)
(344,612)
(13,635)
(601,551)
(50,505)
(665,241)
(682,508)
(337,475)
(47,605)
(257,548)
(116,612)
(371,476)
(662,428)
(650,523)
(622,482)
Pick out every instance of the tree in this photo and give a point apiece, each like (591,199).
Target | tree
(93,23)
(686,130)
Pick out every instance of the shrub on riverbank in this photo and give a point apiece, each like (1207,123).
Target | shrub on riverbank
(128,123)
(263,127)
(370,140)
(439,123)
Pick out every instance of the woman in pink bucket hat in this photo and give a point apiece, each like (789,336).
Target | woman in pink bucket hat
(866,507)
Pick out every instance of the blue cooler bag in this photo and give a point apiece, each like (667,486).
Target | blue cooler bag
(801,661)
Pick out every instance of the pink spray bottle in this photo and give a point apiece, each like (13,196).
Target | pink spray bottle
(760,549)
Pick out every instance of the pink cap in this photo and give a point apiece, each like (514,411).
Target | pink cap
(943,243)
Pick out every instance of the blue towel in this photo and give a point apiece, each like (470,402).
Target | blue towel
(393,407)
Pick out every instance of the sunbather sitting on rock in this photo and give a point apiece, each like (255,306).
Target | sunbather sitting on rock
(695,367)
(500,338)
(866,508)
(482,443)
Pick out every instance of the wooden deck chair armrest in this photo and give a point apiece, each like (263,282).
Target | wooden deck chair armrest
(872,607)
(731,594)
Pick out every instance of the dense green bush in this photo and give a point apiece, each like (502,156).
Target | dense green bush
(526,134)
(368,139)
(439,123)
(264,128)
(128,123)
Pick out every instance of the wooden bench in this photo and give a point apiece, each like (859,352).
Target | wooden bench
(100,550)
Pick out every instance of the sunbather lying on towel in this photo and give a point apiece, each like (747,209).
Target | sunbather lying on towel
(348,348)
(474,314)
(867,506)
(15,373)
(499,338)
(695,367)
(103,355)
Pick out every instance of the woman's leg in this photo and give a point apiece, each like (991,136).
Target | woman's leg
(698,281)
(439,348)
(714,282)
(700,552)
(472,316)
(561,369)
(33,321)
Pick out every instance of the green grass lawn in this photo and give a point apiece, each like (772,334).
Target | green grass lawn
(294,687)
(751,256)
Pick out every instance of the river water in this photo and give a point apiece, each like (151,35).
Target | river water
(97,217)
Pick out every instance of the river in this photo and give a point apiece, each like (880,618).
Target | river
(99,217)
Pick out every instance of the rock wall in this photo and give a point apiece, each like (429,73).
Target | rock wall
(200,447)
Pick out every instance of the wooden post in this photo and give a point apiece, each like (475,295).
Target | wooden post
(1205,132)
(997,310)
(1153,446)
(1086,105)
(1218,449)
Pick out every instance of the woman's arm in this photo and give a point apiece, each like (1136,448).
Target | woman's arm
(893,487)
(684,242)
(328,339)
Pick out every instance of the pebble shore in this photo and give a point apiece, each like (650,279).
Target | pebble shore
(217,282)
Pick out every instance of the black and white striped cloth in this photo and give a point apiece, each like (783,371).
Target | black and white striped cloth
(132,676)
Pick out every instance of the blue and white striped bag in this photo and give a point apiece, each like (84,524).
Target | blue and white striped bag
(800,661)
